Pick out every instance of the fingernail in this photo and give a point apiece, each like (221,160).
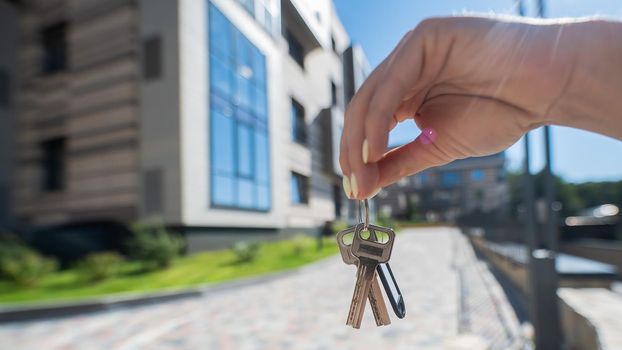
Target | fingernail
(365,151)
(346,186)
(354,185)
(375,193)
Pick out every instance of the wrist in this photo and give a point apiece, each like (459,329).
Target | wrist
(590,98)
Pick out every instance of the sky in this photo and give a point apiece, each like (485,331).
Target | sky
(578,156)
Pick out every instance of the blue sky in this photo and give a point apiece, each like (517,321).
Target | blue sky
(577,155)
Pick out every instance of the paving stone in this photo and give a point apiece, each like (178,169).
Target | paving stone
(305,310)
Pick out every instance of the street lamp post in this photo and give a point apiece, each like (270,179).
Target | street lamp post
(543,281)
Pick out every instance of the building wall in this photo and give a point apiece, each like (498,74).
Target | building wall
(8,45)
(92,103)
(133,105)
(286,79)
(160,125)
(450,191)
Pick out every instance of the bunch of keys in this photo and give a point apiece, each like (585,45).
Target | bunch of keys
(370,255)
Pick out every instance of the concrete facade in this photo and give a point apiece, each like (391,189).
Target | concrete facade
(128,112)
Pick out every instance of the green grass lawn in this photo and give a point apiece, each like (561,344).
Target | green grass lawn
(203,268)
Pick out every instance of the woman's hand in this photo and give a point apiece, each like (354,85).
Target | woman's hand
(474,86)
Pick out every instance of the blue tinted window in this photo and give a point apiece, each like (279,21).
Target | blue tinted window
(221,77)
(263,197)
(243,56)
(244,93)
(260,104)
(299,189)
(248,5)
(246,194)
(477,175)
(450,178)
(259,67)
(220,35)
(223,190)
(245,146)
(222,143)
(262,157)
(240,156)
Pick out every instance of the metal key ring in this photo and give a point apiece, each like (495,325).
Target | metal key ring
(364,219)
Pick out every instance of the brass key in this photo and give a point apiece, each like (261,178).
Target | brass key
(369,254)
(376,301)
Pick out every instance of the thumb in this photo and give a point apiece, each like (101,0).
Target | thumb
(410,158)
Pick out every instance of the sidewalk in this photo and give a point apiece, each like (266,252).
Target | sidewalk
(452,301)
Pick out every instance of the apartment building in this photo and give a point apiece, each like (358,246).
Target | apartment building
(8,45)
(445,193)
(219,117)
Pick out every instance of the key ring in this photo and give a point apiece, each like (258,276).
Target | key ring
(363,203)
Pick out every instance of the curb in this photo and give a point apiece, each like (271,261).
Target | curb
(51,310)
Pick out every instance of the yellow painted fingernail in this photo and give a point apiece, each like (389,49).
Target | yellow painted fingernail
(375,193)
(354,185)
(346,186)
(365,151)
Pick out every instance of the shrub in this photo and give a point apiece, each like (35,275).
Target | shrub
(100,266)
(21,264)
(155,246)
(25,267)
(246,251)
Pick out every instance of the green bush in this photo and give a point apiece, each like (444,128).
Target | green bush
(155,246)
(246,251)
(22,265)
(27,268)
(100,266)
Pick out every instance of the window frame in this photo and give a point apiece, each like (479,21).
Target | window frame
(239,52)
(302,186)
(477,175)
(53,164)
(295,49)
(5,88)
(299,133)
(457,176)
(153,58)
(55,54)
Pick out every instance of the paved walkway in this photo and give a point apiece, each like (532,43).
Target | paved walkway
(452,302)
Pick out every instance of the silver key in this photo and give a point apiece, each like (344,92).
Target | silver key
(369,254)
(376,301)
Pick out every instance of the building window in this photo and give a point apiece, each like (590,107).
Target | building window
(337,199)
(295,48)
(53,164)
(299,126)
(239,142)
(54,43)
(501,175)
(477,175)
(333,44)
(152,58)
(450,178)
(5,88)
(333,93)
(423,179)
(300,189)
(264,16)
(249,6)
